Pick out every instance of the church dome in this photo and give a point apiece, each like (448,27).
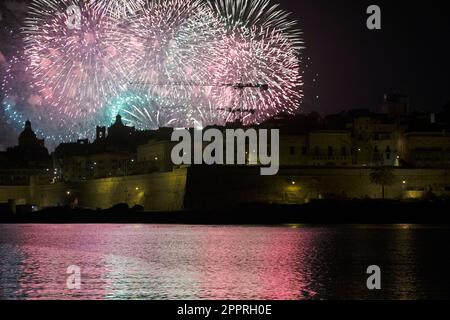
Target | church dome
(27,136)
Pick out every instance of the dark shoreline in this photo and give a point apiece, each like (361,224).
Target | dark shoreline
(322,212)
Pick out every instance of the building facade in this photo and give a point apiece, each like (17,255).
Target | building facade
(320,157)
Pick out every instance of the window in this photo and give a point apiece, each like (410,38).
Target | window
(330,151)
(292,151)
(316,151)
(304,151)
(344,151)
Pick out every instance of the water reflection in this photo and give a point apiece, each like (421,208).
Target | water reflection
(207,262)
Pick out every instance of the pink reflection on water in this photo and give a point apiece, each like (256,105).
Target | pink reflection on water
(158,262)
(40,262)
(269,264)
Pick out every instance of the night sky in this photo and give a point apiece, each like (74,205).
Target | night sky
(355,66)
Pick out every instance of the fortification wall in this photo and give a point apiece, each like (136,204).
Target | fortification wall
(213,188)
(209,187)
(19,193)
(155,192)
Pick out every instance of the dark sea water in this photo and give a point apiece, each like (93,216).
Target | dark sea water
(223,262)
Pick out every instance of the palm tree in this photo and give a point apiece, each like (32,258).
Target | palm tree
(382,176)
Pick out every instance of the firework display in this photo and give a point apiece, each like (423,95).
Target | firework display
(22,102)
(122,8)
(169,47)
(178,63)
(142,111)
(264,71)
(72,61)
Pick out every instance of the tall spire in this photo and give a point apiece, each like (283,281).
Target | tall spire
(28,125)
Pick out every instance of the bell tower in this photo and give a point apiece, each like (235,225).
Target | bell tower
(101,133)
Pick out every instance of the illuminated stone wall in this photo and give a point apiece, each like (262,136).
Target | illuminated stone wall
(19,193)
(155,192)
(235,186)
(218,188)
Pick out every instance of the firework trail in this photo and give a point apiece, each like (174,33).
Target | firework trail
(150,112)
(169,45)
(122,8)
(261,49)
(247,14)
